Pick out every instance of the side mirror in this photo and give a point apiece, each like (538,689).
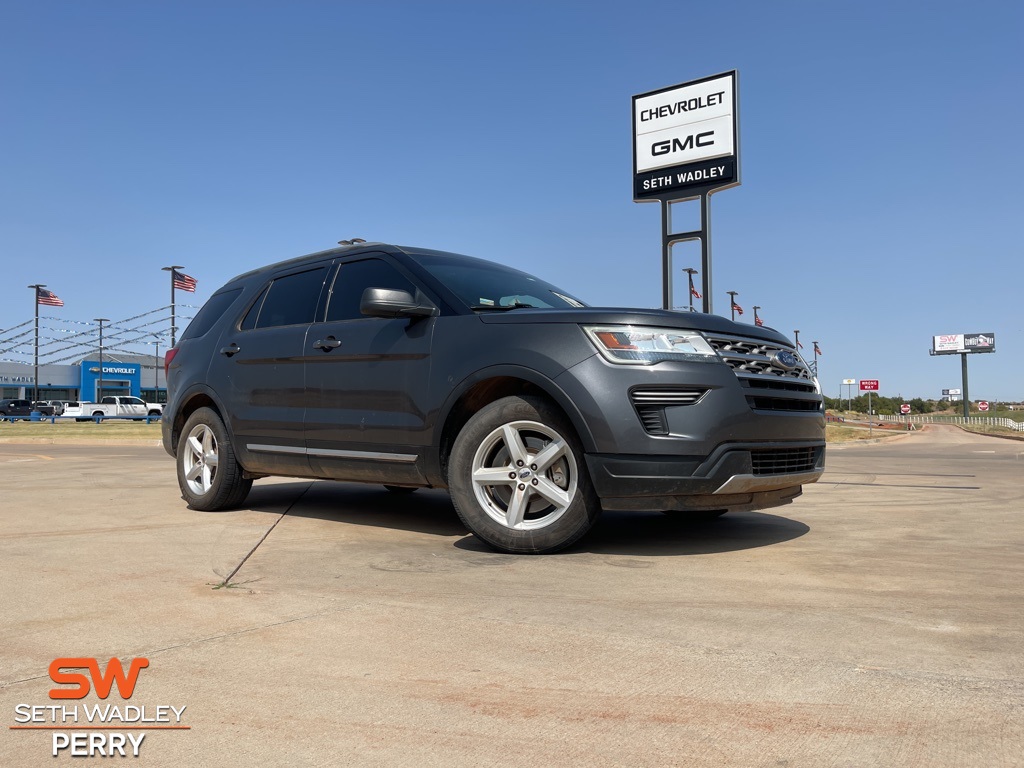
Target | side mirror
(385,302)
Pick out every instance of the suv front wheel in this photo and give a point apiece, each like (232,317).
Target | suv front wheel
(209,475)
(518,477)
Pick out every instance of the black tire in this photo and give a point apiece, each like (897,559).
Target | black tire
(209,475)
(401,490)
(506,499)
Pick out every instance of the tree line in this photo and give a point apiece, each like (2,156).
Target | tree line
(888,405)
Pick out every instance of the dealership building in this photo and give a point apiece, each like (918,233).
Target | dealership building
(138,375)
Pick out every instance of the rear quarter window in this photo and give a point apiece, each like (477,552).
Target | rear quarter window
(211,312)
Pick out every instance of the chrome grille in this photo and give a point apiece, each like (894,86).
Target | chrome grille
(753,357)
(650,405)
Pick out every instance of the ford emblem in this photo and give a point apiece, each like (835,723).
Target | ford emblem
(785,360)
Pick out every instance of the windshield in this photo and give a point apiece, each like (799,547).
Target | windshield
(484,285)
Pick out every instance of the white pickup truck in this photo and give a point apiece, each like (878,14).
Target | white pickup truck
(113,407)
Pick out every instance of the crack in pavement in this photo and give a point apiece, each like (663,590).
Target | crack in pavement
(227,579)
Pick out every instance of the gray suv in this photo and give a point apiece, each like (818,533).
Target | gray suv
(413,368)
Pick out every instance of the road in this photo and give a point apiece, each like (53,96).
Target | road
(877,621)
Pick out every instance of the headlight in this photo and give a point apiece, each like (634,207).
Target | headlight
(637,345)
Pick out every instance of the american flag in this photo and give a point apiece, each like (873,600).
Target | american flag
(799,345)
(758,321)
(737,308)
(693,292)
(49,298)
(183,282)
(817,349)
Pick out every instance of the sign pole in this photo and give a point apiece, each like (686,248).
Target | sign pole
(870,422)
(963,372)
(666,254)
(705,249)
(668,239)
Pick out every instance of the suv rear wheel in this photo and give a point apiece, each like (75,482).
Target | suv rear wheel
(518,479)
(209,475)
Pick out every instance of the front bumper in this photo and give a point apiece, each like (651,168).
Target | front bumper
(735,477)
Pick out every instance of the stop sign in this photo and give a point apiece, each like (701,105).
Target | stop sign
(905,408)
(983,405)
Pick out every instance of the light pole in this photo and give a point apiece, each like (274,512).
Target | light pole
(172,269)
(690,272)
(156,369)
(732,303)
(101,321)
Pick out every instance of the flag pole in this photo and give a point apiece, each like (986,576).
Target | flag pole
(35,367)
(172,270)
(732,303)
(690,272)
(756,318)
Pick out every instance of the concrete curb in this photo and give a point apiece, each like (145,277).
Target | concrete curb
(78,441)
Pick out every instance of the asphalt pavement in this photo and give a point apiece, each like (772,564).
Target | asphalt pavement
(877,621)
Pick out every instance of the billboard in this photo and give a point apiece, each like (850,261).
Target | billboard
(685,139)
(963,343)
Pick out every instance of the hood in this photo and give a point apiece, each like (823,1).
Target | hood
(691,321)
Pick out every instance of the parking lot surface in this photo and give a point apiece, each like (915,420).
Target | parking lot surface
(879,620)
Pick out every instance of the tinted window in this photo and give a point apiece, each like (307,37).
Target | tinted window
(210,313)
(485,285)
(355,277)
(292,299)
(249,321)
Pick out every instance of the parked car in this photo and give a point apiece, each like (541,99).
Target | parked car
(14,409)
(414,368)
(113,407)
(50,407)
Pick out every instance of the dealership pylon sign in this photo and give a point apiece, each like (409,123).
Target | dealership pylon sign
(686,146)
(685,139)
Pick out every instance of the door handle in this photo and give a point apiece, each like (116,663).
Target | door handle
(326,344)
(234,349)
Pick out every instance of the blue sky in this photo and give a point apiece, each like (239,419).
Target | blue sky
(879,148)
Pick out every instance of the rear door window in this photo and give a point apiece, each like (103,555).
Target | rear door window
(290,300)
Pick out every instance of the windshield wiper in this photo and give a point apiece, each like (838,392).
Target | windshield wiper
(502,307)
